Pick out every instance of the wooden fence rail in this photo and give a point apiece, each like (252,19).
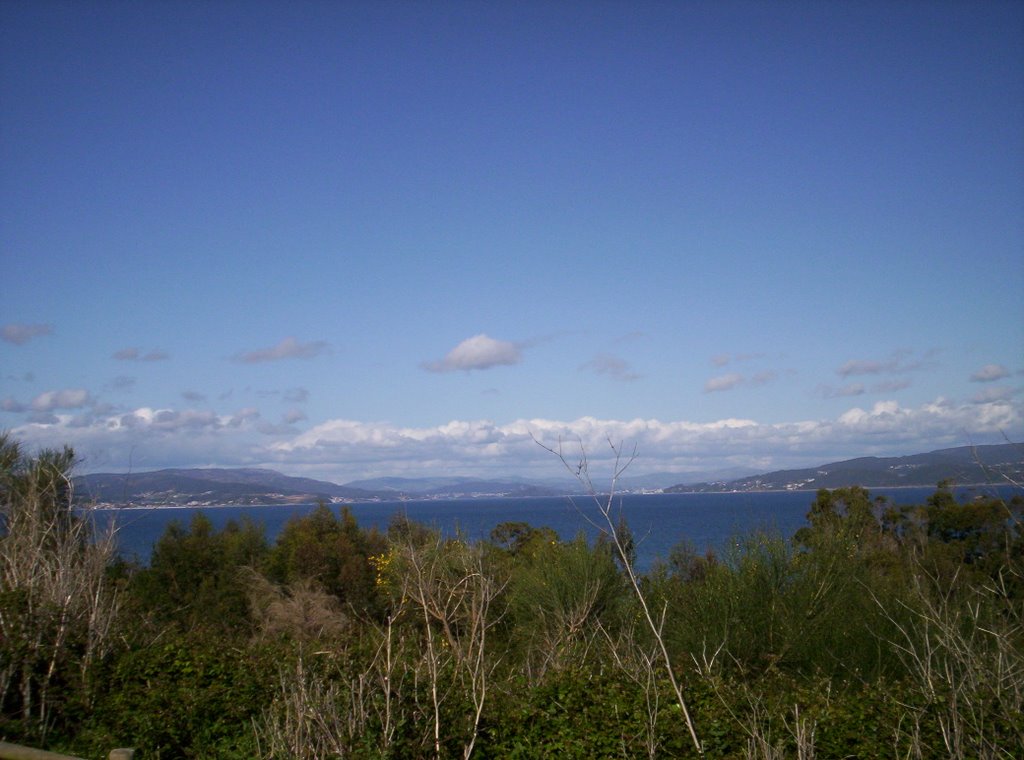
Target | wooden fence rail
(17,752)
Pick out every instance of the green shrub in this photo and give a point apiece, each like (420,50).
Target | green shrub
(766,605)
(194,580)
(559,593)
(332,552)
(184,696)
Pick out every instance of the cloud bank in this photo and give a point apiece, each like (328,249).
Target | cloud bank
(345,449)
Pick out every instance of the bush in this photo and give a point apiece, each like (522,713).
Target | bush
(334,553)
(195,582)
(560,594)
(185,696)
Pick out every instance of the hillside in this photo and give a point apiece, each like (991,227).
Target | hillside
(965,465)
(213,486)
(179,487)
(461,487)
(210,486)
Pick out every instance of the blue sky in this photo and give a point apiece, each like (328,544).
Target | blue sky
(356,239)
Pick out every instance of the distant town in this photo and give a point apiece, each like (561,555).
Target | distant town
(967,465)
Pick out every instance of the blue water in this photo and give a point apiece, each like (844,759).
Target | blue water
(658,521)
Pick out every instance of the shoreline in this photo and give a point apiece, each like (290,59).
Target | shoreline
(488,497)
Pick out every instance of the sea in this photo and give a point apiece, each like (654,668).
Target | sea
(707,521)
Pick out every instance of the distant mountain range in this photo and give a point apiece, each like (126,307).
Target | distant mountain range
(965,465)
(210,486)
(458,487)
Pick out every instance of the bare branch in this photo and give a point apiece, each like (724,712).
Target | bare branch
(604,505)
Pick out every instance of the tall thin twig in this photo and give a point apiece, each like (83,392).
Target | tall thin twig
(605,503)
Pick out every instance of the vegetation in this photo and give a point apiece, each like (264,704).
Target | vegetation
(876,631)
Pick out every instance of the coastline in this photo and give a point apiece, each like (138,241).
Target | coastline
(110,506)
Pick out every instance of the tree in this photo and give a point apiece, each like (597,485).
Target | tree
(57,606)
(195,581)
(847,513)
(515,537)
(622,541)
(332,552)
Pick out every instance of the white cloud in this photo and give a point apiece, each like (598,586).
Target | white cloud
(990,372)
(289,348)
(995,393)
(610,366)
(20,334)
(74,398)
(723,383)
(885,428)
(189,419)
(479,352)
(244,415)
(344,449)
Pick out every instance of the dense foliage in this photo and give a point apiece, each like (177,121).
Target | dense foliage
(876,631)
